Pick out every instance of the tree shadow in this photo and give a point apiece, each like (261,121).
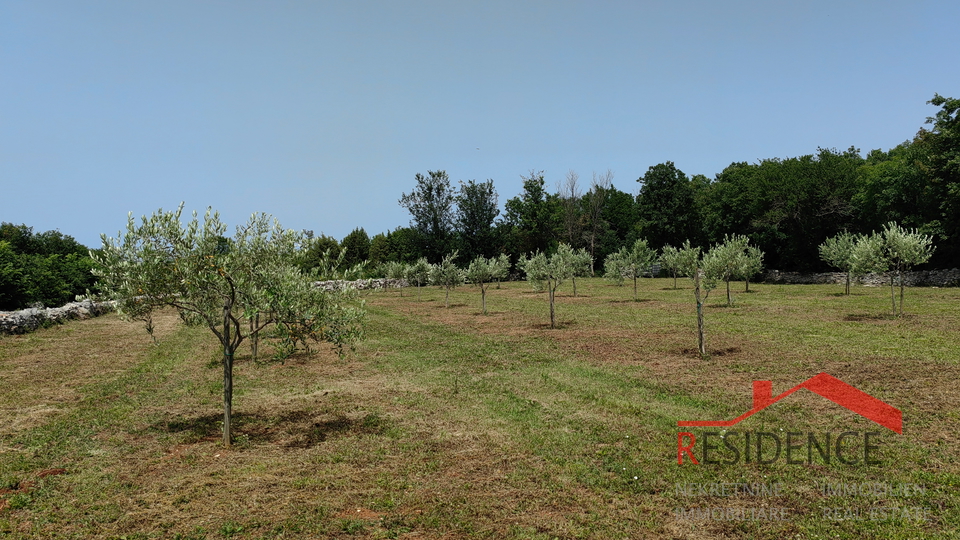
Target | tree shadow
(631,301)
(695,353)
(292,429)
(864,317)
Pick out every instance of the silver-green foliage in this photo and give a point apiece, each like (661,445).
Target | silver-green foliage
(670,260)
(418,274)
(894,249)
(837,251)
(550,272)
(480,272)
(446,274)
(224,283)
(704,272)
(634,261)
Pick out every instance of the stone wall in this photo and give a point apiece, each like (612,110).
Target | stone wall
(362,284)
(28,320)
(921,278)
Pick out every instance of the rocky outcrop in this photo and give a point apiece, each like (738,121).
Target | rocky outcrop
(28,320)
(921,278)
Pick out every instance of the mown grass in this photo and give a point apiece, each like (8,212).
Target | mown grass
(447,423)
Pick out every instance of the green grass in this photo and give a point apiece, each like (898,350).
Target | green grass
(447,423)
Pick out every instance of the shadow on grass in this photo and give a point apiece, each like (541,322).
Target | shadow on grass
(293,429)
(695,353)
(631,301)
(864,317)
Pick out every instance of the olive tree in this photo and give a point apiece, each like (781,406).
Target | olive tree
(727,258)
(613,268)
(703,271)
(396,271)
(894,250)
(670,260)
(635,261)
(550,271)
(480,272)
(223,282)
(501,268)
(582,263)
(837,251)
(418,273)
(446,274)
(752,264)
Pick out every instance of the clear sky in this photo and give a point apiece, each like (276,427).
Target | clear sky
(322,112)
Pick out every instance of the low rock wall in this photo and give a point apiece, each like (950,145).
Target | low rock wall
(921,278)
(362,284)
(28,320)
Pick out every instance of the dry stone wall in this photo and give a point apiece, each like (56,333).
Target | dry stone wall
(921,278)
(28,320)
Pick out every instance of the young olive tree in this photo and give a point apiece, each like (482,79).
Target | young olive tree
(727,259)
(446,274)
(635,261)
(551,271)
(837,251)
(670,259)
(752,265)
(396,271)
(613,268)
(582,262)
(418,273)
(894,249)
(501,268)
(221,281)
(480,272)
(702,271)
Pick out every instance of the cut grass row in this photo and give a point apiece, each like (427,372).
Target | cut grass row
(448,423)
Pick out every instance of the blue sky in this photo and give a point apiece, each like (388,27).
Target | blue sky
(321,113)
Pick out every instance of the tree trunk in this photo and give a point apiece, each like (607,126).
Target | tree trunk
(483,297)
(747,283)
(418,292)
(634,286)
(448,298)
(729,298)
(893,295)
(900,277)
(574,278)
(553,320)
(674,280)
(701,331)
(227,375)
(254,337)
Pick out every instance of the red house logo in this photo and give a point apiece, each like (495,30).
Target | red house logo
(824,385)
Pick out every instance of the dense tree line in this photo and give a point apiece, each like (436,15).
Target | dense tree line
(787,206)
(47,268)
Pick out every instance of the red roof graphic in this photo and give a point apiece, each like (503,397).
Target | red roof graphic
(827,386)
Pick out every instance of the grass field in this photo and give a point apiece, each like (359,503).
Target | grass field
(446,423)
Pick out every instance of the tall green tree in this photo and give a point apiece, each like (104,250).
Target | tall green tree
(432,203)
(222,282)
(666,206)
(533,216)
(476,211)
(356,247)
